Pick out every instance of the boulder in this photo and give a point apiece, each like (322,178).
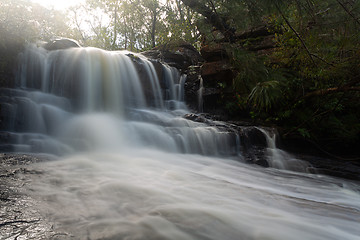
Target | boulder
(63,43)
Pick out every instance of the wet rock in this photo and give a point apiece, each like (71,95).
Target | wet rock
(255,137)
(9,49)
(192,88)
(20,218)
(218,80)
(334,167)
(262,162)
(4,194)
(195,118)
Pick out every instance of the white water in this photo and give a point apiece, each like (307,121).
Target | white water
(280,159)
(149,194)
(86,99)
(133,168)
(200,96)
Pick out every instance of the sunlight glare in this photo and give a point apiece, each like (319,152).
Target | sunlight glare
(58,4)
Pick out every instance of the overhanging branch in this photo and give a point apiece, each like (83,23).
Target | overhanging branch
(328,91)
(214,19)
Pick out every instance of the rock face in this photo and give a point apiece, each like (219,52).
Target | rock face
(217,74)
(176,54)
(214,52)
(192,88)
(215,68)
(9,51)
(63,43)
(20,218)
(209,74)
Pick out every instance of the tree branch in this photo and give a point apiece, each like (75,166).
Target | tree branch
(214,19)
(348,11)
(296,33)
(327,91)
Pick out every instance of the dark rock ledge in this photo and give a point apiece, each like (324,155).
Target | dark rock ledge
(19,217)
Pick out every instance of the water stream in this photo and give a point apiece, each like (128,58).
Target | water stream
(131,166)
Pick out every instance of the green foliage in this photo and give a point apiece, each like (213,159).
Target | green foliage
(259,83)
(317,54)
(304,132)
(250,69)
(265,95)
(136,25)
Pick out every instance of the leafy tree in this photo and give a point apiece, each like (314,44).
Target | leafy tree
(309,80)
(20,22)
(132,24)
(23,20)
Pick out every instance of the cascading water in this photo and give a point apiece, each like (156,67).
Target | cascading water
(200,96)
(133,167)
(277,158)
(85,98)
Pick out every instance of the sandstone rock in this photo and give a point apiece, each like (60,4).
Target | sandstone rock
(176,54)
(192,86)
(214,52)
(211,68)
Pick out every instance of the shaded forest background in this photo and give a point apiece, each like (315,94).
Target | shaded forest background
(294,64)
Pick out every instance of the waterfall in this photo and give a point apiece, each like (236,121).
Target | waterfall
(83,99)
(133,163)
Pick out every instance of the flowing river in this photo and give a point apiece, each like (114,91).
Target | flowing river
(131,166)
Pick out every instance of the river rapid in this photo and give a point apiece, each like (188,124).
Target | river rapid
(148,194)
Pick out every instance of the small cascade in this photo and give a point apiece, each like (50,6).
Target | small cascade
(174,89)
(280,159)
(200,96)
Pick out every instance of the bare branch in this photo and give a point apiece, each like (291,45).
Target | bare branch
(348,11)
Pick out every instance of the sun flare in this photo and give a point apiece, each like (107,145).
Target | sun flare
(56,4)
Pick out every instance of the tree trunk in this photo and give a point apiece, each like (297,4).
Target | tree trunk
(153,29)
(350,86)
(115,26)
(327,91)
(125,34)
